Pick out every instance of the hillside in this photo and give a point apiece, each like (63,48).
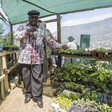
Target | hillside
(99,31)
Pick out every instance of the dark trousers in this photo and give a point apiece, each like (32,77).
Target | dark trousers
(33,80)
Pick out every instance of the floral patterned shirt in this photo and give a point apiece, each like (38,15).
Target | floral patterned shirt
(32,46)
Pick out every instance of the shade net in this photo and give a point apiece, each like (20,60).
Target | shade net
(16,10)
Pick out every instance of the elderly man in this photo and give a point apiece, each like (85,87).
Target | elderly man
(31,57)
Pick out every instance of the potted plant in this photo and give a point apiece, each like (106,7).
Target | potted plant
(98,52)
(94,53)
(101,52)
(5,47)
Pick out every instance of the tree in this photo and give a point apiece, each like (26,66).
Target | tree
(6,40)
(1,30)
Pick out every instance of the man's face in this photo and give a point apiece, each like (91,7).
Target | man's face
(33,20)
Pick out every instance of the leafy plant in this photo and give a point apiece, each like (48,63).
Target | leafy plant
(65,100)
(99,49)
(6,40)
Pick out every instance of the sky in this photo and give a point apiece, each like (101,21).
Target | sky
(78,18)
(86,16)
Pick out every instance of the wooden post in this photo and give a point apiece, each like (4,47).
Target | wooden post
(11,34)
(6,84)
(3,17)
(15,57)
(2,82)
(59,37)
(2,90)
(12,56)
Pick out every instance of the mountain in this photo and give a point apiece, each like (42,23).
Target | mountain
(100,31)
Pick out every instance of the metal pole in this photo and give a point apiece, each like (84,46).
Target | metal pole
(59,37)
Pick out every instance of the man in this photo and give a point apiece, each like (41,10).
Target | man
(32,54)
(72,44)
(48,50)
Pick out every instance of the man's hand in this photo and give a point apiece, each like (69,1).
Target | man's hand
(64,47)
(31,30)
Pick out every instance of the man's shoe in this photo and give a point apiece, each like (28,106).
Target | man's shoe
(40,104)
(27,99)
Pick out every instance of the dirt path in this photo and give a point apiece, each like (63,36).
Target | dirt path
(14,102)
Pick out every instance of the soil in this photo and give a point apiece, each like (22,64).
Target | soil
(14,102)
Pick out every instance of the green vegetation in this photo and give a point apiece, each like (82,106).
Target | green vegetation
(92,76)
(71,51)
(6,42)
(91,81)
(66,100)
(1,30)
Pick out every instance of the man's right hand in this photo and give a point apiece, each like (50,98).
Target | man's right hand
(28,31)
(31,30)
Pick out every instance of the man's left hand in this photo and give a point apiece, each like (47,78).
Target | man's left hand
(64,47)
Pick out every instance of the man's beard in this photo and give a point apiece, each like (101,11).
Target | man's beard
(33,23)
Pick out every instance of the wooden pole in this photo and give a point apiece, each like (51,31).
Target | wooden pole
(52,20)
(6,84)
(2,82)
(59,37)
(15,57)
(2,77)
(81,10)
(3,17)
(11,34)
(2,90)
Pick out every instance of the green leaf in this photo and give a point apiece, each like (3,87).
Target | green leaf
(101,77)
(93,74)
